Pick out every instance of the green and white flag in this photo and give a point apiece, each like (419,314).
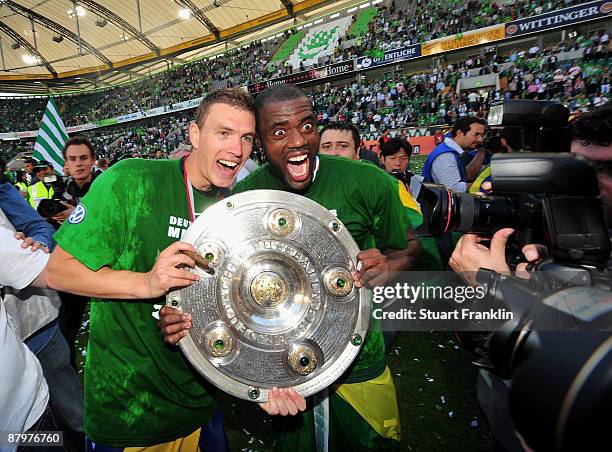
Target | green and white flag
(51,138)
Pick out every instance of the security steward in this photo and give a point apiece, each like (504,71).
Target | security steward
(39,190)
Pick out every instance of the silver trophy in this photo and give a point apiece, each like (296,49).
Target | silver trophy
(275,305)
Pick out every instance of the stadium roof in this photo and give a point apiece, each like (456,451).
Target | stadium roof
(59,45)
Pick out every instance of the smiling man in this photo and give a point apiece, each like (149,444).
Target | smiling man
(362,412)
(120,247)
(365,199)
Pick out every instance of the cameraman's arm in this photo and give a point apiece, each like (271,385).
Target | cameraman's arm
(469,255)
(472,169)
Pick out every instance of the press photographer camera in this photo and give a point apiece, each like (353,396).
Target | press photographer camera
(548,198)
(48,208)
(552,200)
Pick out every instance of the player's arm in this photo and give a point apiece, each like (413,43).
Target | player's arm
(393,232)
(64,272)
(376,268)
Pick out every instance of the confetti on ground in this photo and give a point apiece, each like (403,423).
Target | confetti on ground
(456,347)
(260,441)
(396,351)
(474,423)
(440,346)
(399,375)
(245,431)
(416,359)
(443,400)
(451,413)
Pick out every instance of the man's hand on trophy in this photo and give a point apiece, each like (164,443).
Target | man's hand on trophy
(283,402)
(174,324)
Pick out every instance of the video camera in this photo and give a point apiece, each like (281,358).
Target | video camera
(48,208)
(551,199)
(405,176)
(548,198)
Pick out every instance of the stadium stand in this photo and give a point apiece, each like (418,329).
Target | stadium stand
(563,72)
(288,47)
(387,27)
(319,43)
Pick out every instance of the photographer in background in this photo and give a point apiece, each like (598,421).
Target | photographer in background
(39,190)
(506,140)
(395,155)
(445,164)
(591,138)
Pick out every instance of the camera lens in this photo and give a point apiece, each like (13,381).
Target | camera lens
(483,214)
(446,211)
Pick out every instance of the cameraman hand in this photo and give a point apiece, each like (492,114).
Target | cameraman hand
(30,242)
(469,255)
(61,217)
(533,253)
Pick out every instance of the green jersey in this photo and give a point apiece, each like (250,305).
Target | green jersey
(138,390)
(366,200)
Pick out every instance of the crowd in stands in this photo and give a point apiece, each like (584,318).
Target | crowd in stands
(394,24)
(409,100)
(421,21)
(431,98)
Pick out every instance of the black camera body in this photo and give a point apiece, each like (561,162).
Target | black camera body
(558,347)
(48,208)
(537,194)
(405,176)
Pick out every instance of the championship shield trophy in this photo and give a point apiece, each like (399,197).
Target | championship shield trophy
(275,305)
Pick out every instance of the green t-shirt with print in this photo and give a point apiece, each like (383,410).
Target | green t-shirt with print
(366,200)
(139,391)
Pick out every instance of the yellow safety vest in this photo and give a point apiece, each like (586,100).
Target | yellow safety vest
(23,189)
(38,192)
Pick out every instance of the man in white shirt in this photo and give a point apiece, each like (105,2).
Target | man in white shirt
(23,393)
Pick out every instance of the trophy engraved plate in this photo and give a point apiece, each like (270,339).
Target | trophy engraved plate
(276,305)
